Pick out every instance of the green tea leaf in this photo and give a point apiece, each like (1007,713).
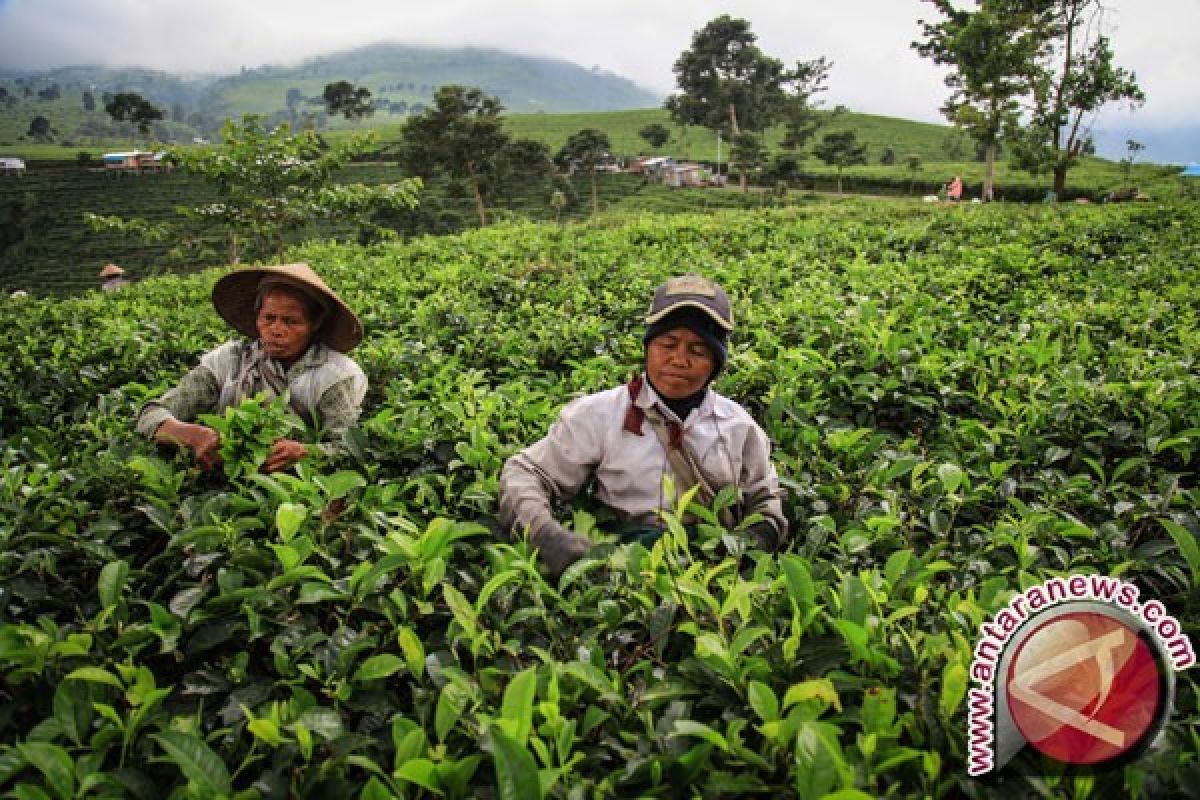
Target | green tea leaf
(763,701)
(95,675)
(1187,545)
(954,688)
(288,519)
(414,651)
(376,667)
(422,772)
(196,760)
(518,703)
(54,763)
(112,582)
(516,772)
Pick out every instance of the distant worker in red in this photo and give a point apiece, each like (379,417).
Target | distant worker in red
(954,189)
(667,421)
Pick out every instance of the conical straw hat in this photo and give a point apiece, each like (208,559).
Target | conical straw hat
(233,296)
(111,271)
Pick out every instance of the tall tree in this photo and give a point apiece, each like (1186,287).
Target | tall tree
(991,52)
(841,149)
(132,107)
(1074,77)
(728,84)
(463,136)
(587,148)
(89,101)
(348,100)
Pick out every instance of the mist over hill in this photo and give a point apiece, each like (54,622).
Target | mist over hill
(395,74)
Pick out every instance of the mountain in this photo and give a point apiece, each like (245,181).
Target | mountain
(399,75)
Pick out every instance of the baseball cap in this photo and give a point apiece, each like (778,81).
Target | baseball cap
(691,291)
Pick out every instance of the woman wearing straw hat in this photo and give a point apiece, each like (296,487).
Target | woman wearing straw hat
(666,421)
(299,331)
(112,277)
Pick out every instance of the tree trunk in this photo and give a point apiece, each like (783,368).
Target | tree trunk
(989,172)
(595,197)
(839,181)
(479,208)
(1060,180)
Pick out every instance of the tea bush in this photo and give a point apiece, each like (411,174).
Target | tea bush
(963,403)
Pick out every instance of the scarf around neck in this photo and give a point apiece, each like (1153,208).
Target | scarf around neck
(257,373)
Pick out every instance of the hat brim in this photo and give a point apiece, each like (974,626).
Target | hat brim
(234,295)
(726,325)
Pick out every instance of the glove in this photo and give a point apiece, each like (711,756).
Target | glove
(764,536)
(559,547)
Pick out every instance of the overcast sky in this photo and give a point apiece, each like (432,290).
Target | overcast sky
(875,70)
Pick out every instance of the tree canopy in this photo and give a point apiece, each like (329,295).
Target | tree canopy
(132,107)
(991,51)
(841,149)
(587,148)
(462,135)
(1074,77)
(728,84)
(348,100)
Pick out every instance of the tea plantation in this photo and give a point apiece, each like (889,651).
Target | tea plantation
(963,402)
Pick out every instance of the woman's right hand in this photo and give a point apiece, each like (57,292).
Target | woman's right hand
(203,441)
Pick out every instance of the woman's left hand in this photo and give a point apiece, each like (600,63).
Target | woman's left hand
(284,453)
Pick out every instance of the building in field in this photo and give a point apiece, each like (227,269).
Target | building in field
(12,166)
(134,160)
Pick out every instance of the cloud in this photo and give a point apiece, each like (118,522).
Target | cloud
(875,69)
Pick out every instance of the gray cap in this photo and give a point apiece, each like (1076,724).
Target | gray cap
(691,291)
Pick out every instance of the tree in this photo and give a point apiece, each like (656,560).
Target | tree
(747,154)
(1073,78)
(1132,148)
(587,148)
(131,107)
(912,162)
(887,157)
(344,98)
(728,84)
(841,149)
(526,163)
(463,136)
(801,118)
(293,97)
(39,128)
(269,183)
(89,101)
(990,52)
(655,134)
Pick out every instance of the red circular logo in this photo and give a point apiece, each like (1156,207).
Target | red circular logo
(1084,688)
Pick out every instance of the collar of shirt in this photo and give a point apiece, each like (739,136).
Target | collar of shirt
(708,407)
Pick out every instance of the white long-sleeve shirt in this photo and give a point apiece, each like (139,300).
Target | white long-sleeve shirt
(589,438)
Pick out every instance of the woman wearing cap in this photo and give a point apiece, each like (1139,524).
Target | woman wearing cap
(666,421)
(299,331)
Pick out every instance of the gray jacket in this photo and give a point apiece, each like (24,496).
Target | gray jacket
(589,438)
